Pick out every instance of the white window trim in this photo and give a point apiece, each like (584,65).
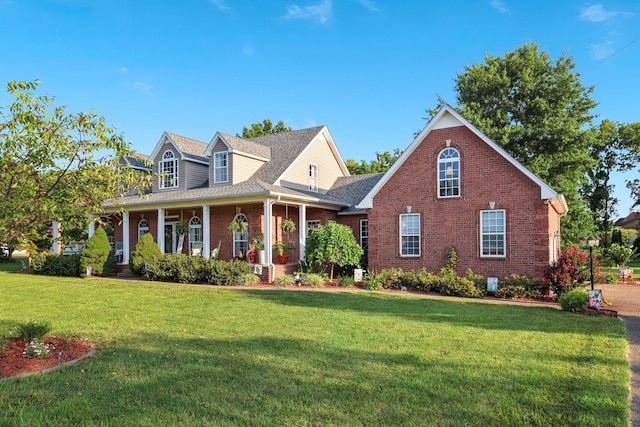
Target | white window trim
(440,161)
(362,222)
(313,177)
(161,167)
(217,168)
(195,227)
(311,225)
(400,234)
(241,240)
(142,229)
(504,234)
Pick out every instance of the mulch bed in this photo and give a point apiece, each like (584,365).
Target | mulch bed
(66,351)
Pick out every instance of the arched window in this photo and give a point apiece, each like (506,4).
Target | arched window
(168,170)
(143,228)
(195,236)
(241,240)
(449,173)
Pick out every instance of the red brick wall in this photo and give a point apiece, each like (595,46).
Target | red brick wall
(454,222)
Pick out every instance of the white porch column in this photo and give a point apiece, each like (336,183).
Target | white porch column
(267,205)
(92,225)
(161,229)
(125,238)
(55,236)
(206,231)
(302,226)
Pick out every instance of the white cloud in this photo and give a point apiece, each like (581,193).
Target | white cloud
(310,122)
(123,69)
(143,87)
(219,4)
(597,13)
(369,4)
(499,6)
(601,51)
(319,12)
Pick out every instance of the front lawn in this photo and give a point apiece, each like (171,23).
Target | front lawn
(200,355)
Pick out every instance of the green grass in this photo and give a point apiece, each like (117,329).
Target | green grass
(635,265)
(199,355)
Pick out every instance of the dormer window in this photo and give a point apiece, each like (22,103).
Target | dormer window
(449,173)
(168,170)
(313,177)
(220,167)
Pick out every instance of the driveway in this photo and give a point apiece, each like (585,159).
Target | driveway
(626,300)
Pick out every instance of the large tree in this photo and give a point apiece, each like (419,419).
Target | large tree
(382,163)
(264,128)
(54,165)
(537,109)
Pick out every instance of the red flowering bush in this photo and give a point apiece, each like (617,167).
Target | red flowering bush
(569,271)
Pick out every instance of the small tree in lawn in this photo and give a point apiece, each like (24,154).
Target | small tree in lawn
(333,244)
(146,250)
(96,254)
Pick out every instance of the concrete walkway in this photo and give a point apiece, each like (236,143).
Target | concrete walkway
(626,300)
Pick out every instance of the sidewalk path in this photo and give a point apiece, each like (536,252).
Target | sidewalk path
(626,300)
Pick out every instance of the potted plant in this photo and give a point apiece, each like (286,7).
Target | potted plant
(238,225)
(258,244)
(281,248)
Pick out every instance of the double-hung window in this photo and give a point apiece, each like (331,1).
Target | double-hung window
(220,167)
(410,234)
(313,177)
(168,170)
(364,233)
(449,173)
(493,233)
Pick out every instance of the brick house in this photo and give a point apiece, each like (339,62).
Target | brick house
(454,188)
(451,188)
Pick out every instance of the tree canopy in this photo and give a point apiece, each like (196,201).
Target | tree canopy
(382,163)
(333,244)
(538,110)
(54,165)
(264,128)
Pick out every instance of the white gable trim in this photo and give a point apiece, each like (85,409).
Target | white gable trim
(217,137)
(447,117)
(166,138)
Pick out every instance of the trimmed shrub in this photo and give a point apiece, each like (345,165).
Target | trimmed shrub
(516,286)
(390,278)
(460,287)
(571,269)
(372,283)
(145,251)
(96,253)
(574,300)
(56,265)
(418,280)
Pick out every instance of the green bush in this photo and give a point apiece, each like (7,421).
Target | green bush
(460,287)
(96,254)
(619,254)
(610,278)
(372,283)
(32,329)
(56,265)
(346,281)
(248,279)
(145,251)
(574,300)
(312,279)
(418,280)
(285,280)
(390,278)
(516,286)
(191,269)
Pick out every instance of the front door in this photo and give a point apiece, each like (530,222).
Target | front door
(170,238)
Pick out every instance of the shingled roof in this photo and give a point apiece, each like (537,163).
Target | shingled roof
(190,148)
(352,189)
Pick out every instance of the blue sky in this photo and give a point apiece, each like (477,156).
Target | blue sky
(367,69)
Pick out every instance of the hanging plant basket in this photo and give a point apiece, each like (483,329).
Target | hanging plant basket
(182,228)
(287,225)
(238,226)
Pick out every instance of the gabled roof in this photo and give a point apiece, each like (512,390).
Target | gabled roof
(447,117)
(189,149)
(286,148)
(631,221)
(241,146)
